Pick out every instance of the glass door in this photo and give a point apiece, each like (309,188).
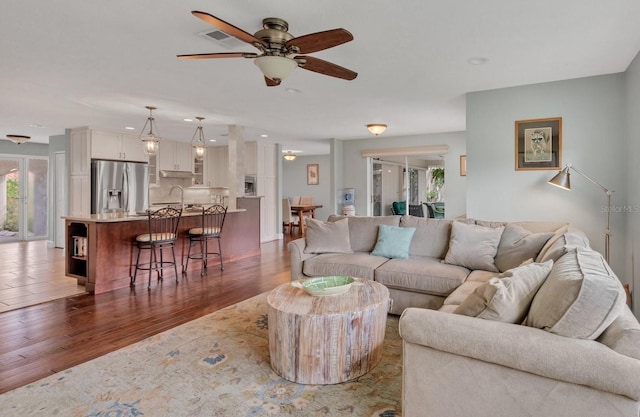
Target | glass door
(23,198)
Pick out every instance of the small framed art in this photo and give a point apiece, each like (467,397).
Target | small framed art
(313,174)
(538,144)
(463,165)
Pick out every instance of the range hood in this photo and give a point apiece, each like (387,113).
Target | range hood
(175,174)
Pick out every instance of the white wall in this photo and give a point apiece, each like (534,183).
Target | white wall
(593,139)
(632,86)
(355,166)
(294,182)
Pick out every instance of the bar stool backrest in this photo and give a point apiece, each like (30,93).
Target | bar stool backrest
(213,220)
(163,225)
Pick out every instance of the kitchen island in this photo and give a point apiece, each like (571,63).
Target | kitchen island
(100,247)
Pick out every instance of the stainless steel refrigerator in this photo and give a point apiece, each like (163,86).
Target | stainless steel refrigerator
(119,187)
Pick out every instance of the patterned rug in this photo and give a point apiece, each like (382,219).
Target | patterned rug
(217,365)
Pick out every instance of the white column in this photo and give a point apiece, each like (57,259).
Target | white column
(236,164)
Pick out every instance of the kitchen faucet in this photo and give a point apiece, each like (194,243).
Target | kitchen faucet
(181,194)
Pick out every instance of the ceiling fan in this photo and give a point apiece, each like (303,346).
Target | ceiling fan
(279,50)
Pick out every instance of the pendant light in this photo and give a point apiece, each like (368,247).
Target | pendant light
(197,141)
(150,141)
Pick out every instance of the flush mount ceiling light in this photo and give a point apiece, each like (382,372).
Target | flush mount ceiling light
(197,141)
(150,141)
(19,139)
(276,68)
(289,156)
(376,128)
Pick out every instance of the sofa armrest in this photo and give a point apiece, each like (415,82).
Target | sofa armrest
(296,248)
(528,349)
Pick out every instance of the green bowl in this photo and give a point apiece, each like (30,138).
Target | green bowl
(322,286)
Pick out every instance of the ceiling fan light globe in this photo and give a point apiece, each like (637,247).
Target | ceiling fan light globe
(276,68)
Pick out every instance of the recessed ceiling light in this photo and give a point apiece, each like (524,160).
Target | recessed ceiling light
(293,90)
(264,136)
(188,120)
(477,61)
(39,126)
(130,128)
(212,140)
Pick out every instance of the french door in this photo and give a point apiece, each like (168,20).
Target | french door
(23,198)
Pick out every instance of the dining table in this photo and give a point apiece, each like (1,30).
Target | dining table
(301,209)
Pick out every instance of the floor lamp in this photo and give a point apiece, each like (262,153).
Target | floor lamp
(562,180)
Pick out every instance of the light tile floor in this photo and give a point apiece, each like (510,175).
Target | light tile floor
(32,273)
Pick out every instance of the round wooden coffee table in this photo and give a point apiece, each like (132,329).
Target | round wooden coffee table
(330,339)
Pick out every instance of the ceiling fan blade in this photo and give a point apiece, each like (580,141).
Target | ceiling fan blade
(271,83)
(324,67)
(318,41)
(228,28)
(219,55)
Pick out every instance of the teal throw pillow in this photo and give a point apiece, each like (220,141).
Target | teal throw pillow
(393,241)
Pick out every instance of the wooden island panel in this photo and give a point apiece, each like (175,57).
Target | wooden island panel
(111,250)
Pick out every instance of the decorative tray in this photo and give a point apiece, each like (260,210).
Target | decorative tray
(322,286)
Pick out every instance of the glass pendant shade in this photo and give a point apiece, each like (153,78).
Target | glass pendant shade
(150,141)
(275,67)
(198,142)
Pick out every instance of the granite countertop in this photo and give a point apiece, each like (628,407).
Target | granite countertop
(125,217)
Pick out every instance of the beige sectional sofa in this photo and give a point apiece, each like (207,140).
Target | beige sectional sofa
(549,335)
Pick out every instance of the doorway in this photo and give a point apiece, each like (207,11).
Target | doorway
(23,198)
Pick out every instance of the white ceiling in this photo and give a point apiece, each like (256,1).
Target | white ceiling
(68,63)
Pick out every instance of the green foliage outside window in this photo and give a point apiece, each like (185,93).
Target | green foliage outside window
(11,219)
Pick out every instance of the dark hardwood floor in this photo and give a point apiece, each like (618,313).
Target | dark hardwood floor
(47,338)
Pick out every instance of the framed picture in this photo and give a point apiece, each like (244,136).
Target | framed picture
(539,144)
(463,165)
(312,174)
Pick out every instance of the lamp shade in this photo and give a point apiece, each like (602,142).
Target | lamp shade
(275,67)
(562,179)
(19,139)
(150,141)
(376,128)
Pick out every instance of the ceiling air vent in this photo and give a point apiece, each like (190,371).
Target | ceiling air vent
(222,39)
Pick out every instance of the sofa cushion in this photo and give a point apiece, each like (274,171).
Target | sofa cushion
(473,246)
(462,292)
(518,244)
(431,237)
(426,275)
(580,298)
(623,335)
(506,297)
(559,244)
(327,236)
(363,230)
(393,241)
(359,265)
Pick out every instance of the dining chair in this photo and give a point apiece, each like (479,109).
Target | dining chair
(162,235)
(306,201)
(288,218)
(295,200)
(212,222)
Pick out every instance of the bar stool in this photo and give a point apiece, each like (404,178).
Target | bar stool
(163,232)
(210,229)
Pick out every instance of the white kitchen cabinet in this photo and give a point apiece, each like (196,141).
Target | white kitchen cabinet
(79,150)
(80,195)
(175,156)
(116,146)
(218,166)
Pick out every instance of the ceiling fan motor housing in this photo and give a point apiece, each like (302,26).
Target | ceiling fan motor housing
(275,35)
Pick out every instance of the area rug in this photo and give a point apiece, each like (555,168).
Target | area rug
(217,365)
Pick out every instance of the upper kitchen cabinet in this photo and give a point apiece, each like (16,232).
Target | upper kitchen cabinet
(175,156)
(250,158)
(116,146)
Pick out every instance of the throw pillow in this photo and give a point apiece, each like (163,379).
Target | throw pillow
(506,297)
(580,298)
(518,244)
(473,246)
(323,237)
(393,241)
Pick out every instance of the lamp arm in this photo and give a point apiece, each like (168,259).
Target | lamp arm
(594,182)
